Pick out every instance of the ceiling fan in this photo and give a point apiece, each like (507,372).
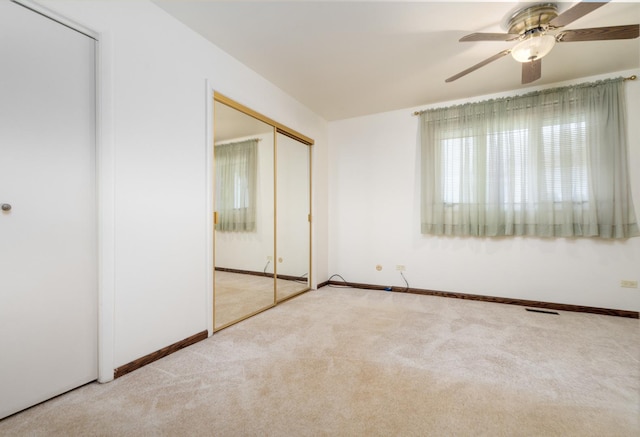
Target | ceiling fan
(538,28)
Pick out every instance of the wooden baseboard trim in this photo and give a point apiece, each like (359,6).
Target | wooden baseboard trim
(504,300)
(268,275)
(147,359)
(322,284)
(244,272)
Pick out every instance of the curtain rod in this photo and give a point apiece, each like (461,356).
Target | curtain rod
(632,77)
(222,143)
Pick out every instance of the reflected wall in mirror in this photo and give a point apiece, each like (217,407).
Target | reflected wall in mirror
(244,215)
(293,243)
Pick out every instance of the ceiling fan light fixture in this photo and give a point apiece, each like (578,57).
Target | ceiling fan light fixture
(533,48)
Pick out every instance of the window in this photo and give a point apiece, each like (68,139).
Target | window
(573,183)
(550,163)
(510,160)
(236,175)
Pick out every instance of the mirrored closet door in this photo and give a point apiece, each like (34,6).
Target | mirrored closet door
(262,232)
(293,200)
(244,215)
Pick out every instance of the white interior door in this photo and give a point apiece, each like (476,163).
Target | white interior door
(48,239)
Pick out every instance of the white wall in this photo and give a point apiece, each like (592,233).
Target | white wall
(155,141)
(374,219)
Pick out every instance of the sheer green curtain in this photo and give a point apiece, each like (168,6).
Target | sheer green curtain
(550,164)
(236,184)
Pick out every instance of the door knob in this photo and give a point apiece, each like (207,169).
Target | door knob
(6,207)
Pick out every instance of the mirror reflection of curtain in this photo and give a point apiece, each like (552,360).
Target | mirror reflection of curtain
(236,185)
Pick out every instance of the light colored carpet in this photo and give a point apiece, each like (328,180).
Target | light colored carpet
(345,362)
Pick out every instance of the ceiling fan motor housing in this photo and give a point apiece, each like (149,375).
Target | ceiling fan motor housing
(532,20)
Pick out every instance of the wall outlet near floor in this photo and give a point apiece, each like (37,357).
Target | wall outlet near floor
(628,284)
(400,268)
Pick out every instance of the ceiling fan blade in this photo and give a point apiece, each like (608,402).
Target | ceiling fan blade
(481,64)
(489,37)
(578,11)
(599,33)
(531,71)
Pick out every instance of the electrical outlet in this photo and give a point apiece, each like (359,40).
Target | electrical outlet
(628,284)
(400,268)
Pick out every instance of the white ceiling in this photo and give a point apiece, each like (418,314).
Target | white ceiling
(346,59)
